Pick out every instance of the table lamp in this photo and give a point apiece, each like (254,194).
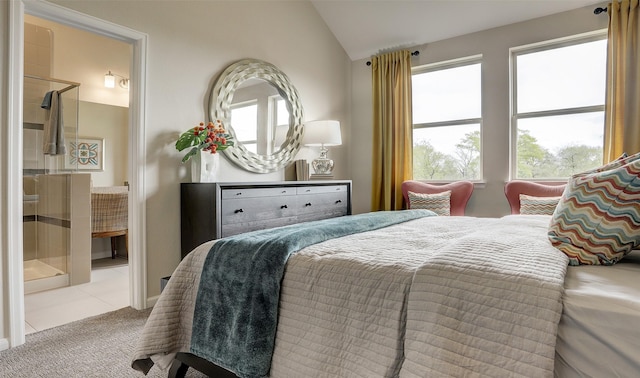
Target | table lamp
(323,134)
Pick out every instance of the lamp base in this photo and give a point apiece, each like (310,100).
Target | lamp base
(322,165)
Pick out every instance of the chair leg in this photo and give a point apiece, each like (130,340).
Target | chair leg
(113,247)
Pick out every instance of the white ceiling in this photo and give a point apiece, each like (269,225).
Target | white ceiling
(366,27)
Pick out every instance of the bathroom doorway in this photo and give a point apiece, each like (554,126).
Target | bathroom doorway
(136,121)
(91,155)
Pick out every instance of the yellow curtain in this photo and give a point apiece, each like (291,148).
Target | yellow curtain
(622,104)
(392,129)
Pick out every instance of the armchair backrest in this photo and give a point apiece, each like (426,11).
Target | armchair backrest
(460,193)
(109,210)
(513,189)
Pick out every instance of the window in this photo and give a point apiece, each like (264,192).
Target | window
(446,120)
(245,119)
(261,119)
(558,108)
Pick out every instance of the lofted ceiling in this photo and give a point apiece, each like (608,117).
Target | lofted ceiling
(366,27)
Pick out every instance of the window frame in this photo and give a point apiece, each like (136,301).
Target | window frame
(444,65)
(514,52)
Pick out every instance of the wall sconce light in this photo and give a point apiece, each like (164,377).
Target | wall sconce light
(110,81)
(322,133)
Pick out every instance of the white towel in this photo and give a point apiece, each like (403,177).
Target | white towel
(53,126)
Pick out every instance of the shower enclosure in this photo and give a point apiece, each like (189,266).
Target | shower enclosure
(56,202)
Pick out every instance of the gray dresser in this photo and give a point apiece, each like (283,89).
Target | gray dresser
(214,210)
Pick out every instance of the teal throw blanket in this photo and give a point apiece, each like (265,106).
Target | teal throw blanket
(236,311)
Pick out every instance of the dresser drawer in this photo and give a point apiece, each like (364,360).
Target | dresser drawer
(321,189)
(238,228)
(322,205)
(256,209)
(257,192)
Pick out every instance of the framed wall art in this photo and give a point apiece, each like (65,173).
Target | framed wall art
(84,154)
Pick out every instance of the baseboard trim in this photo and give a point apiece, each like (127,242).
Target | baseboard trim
(152,301)
(100,255)
(4,344)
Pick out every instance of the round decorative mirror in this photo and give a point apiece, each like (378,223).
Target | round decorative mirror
(261,109)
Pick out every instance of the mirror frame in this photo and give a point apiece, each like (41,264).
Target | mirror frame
(220,100)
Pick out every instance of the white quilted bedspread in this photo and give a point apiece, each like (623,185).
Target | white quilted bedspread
(487,304)
(437,296)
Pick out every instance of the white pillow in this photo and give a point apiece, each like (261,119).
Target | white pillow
(439,203)
(530,205)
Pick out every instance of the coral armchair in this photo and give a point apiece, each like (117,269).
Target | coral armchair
(513,189)
(460,193)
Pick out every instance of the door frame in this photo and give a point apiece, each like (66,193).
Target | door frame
(14,154)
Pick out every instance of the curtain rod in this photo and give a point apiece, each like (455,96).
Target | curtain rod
(600,10)
(415,53)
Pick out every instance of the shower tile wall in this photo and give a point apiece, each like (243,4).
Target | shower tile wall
(80,217)
(37,50)
(64,221)
(53,220)
(29,224)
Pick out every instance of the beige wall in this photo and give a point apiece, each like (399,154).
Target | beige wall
(110,123)
(493,45)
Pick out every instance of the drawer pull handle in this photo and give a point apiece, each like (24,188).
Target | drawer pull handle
(239,194)
(339,201)
(283,192)
(239,211)
(308,190)
(284,207)
(307,204)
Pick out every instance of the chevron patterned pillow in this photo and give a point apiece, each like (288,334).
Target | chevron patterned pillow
(530,205)
(439,203)
(597,220)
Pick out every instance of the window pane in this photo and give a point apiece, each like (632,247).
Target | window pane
(564,77)
(559,146)
(282,114)
(244,120)
(252,147)
(448,94)
(446,153)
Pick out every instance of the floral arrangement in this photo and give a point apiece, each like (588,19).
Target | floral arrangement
(211,137)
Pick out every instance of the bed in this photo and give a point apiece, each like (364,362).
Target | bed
(430,296)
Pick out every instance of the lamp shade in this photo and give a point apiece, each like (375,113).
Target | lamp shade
(322,133)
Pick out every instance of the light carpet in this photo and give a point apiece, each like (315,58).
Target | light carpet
(100,346)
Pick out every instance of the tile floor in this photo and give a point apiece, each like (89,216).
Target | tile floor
(107,291)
